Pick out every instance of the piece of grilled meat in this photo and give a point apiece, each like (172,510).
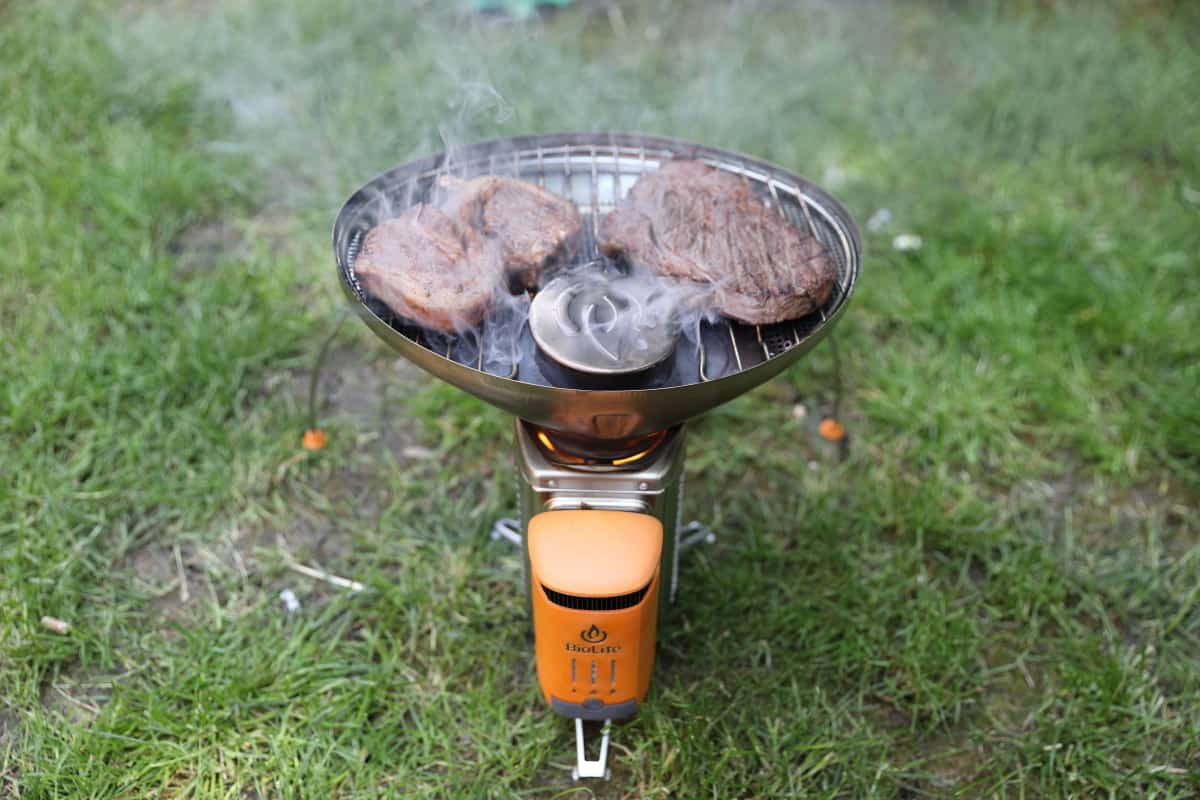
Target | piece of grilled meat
(690,221)
(428,269)
(441,265)
(534,228)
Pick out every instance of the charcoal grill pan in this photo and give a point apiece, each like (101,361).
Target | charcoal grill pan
(595,170)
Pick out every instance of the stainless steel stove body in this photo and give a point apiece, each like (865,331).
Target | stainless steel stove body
(650,483)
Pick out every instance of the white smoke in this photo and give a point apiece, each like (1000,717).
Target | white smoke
(322,94)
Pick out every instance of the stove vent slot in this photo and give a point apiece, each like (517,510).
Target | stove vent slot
(596,603)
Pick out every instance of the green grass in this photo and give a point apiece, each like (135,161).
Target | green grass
(996,595)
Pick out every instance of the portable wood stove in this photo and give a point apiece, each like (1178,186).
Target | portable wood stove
(600,424)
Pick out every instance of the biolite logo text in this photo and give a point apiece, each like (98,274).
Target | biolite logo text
(593,649)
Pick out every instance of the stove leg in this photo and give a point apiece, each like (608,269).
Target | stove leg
(591,769)
(689,535)
(507,528)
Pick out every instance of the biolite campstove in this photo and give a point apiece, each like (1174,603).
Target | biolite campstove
(601,370)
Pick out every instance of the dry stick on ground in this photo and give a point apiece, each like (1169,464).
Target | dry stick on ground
(184,594)
(313,572)
(91,708)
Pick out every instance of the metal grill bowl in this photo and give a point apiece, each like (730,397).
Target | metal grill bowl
(595,170)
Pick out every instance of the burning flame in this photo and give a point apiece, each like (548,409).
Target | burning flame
(548,443)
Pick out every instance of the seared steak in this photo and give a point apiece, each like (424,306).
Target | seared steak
(426,268)
(440,265)
(533,227)
(694,222)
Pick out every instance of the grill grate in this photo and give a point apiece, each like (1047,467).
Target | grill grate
(596,178)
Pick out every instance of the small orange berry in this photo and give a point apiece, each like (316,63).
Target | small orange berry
(314,439)
(832,430)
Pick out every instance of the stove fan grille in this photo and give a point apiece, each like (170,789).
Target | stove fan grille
(579,603)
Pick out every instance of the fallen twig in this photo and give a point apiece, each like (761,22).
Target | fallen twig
(184,594)
(322,575)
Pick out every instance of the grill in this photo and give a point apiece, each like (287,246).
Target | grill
(596,176)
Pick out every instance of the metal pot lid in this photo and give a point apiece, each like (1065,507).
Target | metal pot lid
(602,324)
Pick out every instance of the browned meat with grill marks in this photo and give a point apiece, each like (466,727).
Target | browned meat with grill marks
(690,221)
(441,265)
(533,227)
(428,269)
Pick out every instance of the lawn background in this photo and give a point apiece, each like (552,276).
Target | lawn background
(996,594)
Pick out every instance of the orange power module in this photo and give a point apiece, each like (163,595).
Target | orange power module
(595,605)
